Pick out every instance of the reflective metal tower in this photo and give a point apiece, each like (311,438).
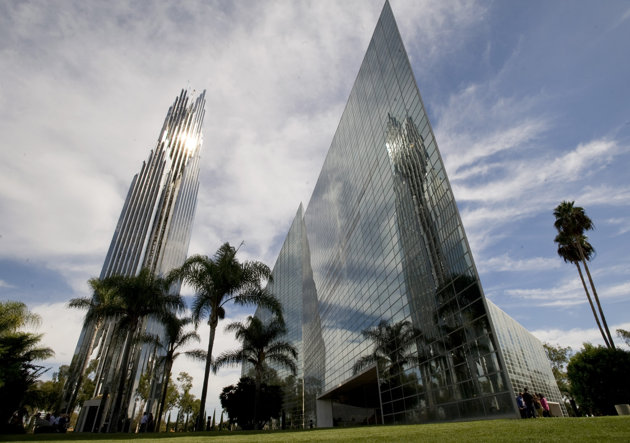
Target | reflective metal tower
(153,232)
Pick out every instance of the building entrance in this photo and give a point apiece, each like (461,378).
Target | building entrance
(355,402)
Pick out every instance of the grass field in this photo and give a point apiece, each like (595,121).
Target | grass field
(596,429)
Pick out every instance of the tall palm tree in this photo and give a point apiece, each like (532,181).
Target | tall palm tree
(218,281)
(572,222)
(175,338)
(131,300)
(261,344)
(570,254)
(391,347)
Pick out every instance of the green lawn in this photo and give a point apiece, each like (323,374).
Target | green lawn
(597,429)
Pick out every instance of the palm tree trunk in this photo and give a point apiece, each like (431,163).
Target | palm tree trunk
(204,392)
(167,377)
(257,396)
(590,302)
(116,410)
(599,306)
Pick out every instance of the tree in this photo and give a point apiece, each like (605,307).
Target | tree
(218,281)
(570,254)
(175,338)
(571,223)
(86,390)
(559,358)
(186,399)
(235,399)
(48,394)
(130,300)
(19,350)
(599,378)
(624,335)
(172,398)
(96,308)
(261,344)
(391,353)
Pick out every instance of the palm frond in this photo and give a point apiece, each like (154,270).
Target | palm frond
(228,358)
(196,354)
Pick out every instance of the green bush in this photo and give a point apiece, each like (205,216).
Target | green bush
(599,378)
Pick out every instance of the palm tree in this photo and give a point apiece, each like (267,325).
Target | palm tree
(572,222)
(261,343)
(18,352)
(391,346)
(218,281)
(176,337)
(570,254)
(96,307)
(131,300)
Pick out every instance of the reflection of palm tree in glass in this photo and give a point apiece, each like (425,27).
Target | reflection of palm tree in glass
(460,319)
(392,345)
(393,350)
(422,200)
(444,292)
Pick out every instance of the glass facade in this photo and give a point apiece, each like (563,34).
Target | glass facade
(525,358)
(394,325)
(295,288)
(153,232)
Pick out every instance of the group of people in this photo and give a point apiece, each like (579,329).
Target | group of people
(50,423)
(532,405)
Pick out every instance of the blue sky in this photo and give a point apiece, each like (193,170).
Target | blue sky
(529,101)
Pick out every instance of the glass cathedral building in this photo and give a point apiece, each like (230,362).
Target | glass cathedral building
(377,268)
(153,232)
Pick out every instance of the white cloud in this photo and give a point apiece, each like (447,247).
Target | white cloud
(506,263)
(4,284)
(622,18)
(624,225)
(567,293)
(436,28)
(60,327)
(576,337)
(529,178)
(492,143)
(618,290)
(525,188)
